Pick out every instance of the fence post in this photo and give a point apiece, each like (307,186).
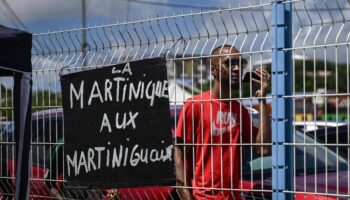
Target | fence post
(281,27)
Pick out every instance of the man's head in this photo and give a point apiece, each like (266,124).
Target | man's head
(226,68)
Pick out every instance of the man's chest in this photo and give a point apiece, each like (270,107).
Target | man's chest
(221,123)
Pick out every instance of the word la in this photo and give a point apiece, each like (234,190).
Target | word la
(125,70)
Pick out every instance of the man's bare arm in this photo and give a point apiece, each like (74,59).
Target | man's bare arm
(264,132)
(184,193)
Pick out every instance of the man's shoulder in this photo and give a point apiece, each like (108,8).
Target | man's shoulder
(198,99)
(202,96)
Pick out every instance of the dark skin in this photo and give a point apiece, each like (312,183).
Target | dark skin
(226,77)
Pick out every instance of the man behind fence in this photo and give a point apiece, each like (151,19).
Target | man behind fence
(211,125)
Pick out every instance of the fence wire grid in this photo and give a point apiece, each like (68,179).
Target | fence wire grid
(320,98)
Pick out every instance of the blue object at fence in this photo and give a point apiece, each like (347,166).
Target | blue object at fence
(281,27)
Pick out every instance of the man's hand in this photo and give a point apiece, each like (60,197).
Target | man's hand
(56,193)
(263,81)
(184,193)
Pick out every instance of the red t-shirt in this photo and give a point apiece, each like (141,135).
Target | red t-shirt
(214,128)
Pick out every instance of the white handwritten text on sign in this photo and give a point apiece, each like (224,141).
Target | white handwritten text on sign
(117,125)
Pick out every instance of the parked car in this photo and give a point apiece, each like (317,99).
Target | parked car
(6,129)
(47,164)
(46,133)
(314,125)
(335,137)
(5,126)
(319,171)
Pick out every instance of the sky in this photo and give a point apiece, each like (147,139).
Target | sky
(43,15)
(40,16)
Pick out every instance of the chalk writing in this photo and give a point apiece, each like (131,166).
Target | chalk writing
(78,96)
(126,69)
(122,120)
(126,133)
(120,156)
(119,93)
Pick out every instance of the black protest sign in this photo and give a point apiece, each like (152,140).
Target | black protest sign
(117,126)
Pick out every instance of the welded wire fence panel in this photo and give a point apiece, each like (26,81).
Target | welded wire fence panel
(7,142)
(321,99)
(186,41)
(217,135)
